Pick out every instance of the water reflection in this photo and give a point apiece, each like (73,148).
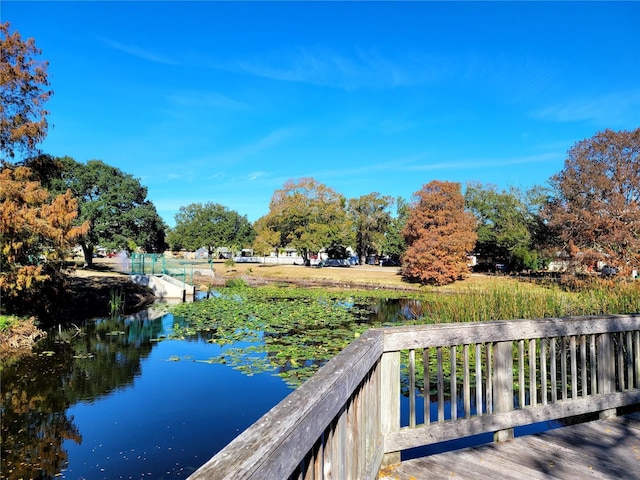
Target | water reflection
(80,363)
(34,420)
(392,311)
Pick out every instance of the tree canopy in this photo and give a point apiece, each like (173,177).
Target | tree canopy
(595,207)
(23,93)
(507,226)
(439,235)
(114,204)
(308,216)
(267,239)
(210,225)
(394,244)
(36,231)
(371,218)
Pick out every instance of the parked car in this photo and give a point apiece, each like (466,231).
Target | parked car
(390,262)
(335,262)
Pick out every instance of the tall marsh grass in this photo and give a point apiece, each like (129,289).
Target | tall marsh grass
(512,300)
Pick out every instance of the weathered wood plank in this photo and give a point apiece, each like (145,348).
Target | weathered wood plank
(592,357)
(503,385)
(543,370)
(412,388)
(427,386)
(554,370)
(605,449)
(629,361)
(453,383)
(563,368)
(478,379)
(422,336)
(533,379)
(574,367)
(390,397)
(440,383)
(521,380)
(466,382)
(637,358)
(583,364)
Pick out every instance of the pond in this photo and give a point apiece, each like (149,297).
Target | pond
(109,399)
(106,401)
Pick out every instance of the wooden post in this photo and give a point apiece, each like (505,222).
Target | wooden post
(390,401)
(503,385)
(606,370)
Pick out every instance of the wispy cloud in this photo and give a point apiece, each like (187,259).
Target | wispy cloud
(255,175)
(419,162)
(486,162)
(242,153)
(356,68)
(267,142)
(349,70)
(355,170)
(138,52)
(610,109)
(205,99)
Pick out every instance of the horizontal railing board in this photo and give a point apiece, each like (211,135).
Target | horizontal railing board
(450,430)
(423,336)
(274,445)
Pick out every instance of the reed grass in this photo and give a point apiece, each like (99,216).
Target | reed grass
(116,301)
(515,300)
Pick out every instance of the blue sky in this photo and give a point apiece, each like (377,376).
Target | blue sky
(225,101)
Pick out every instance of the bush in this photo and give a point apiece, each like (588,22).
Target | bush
(236,283)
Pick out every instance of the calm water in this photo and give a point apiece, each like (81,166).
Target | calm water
(135,408)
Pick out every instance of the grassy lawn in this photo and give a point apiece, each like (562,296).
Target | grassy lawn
(370,276)
(355,276)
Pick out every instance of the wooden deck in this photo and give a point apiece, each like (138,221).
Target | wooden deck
(604,449)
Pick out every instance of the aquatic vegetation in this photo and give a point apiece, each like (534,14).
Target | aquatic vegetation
(116,301)
(294,331)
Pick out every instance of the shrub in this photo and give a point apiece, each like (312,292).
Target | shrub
(236,283)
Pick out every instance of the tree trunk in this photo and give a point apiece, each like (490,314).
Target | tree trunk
(87,251)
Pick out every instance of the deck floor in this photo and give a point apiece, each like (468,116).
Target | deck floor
(604,449)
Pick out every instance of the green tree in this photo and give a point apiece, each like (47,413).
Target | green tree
(394,244)
(439,235)
(595,206)
(371,218)
(114,204)
(267,239)
(23,93)
(506,225)
(210,225)
(309,217)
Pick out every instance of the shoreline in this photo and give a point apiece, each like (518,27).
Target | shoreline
(90,291)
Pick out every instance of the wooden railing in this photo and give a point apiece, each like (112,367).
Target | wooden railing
(368,404)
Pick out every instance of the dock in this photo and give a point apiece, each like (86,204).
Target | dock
(398,389)
(603,449)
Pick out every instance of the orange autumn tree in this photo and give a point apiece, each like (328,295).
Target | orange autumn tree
(439,235)
(595,207)
(35,233)
(24,90)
